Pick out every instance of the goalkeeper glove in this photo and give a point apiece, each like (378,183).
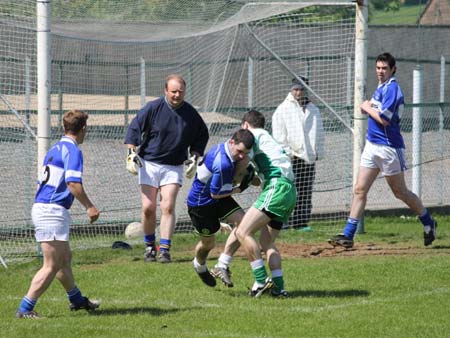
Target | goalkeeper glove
(190,166)
(248,177)
(133,161)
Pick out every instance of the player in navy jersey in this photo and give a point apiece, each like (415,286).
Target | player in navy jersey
(384,152)
(60,183)
(158,141)
(209,199)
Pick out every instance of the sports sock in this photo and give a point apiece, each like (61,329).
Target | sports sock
(27,304)
(350,227)
(75,296)
(198,267)
(259,271)
(426,218)
(224,261)
(277,277)
(149,240)
(164,244)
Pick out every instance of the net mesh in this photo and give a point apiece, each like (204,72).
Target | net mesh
(109,57)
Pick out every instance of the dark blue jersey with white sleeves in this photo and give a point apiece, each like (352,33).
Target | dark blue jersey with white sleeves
(214,176)
(63,163)
(389,101)
(165,134)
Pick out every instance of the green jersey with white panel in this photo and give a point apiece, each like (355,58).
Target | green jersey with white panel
(274,166)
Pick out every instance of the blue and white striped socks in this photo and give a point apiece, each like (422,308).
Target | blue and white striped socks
(27,304)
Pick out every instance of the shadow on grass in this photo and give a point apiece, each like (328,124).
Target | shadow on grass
(440,247)
(136,311)
(328,293)
(183,259)
(313,294)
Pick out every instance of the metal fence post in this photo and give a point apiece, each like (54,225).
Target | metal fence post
(143,88)
(441,132)
(417,132)
(250,82)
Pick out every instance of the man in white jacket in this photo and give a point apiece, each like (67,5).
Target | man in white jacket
(297,125)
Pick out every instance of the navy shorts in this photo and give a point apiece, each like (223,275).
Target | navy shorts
(206,218)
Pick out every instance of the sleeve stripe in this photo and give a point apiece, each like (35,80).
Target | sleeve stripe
(73,173)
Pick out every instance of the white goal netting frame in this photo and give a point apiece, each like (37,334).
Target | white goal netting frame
(234,56)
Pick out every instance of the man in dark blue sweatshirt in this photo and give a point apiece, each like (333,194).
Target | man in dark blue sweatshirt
(158,140)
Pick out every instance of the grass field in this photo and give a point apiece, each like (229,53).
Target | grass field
(388,286)
(406,15)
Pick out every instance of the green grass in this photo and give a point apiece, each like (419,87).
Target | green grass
(403,295)
(406,15)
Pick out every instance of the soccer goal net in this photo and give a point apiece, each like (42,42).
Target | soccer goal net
(108,58)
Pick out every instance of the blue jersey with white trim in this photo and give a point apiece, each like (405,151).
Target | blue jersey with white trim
(214,176)
(389,101)
(62,164)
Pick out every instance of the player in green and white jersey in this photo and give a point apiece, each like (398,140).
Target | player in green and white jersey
(270,211)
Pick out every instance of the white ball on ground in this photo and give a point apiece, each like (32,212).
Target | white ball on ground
(134,230)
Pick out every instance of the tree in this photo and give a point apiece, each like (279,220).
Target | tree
(386,5)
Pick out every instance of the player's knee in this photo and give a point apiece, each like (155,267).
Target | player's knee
(271,249)
(149,206)
(167,206)
(148,211)
(167,209)
(360,192)
(66,260)
(401,194)
(52,267)
(208,243)
(265,244)
(240,234)
(407,197)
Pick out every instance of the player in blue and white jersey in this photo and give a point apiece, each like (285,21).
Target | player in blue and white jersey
(209,199)
(158,140)
(60,183)
(384,152)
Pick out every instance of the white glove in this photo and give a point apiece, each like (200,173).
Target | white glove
(190,166)
(289,152)
(133,161)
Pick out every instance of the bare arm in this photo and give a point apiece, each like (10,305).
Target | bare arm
(77,190)
(366,108)
(234,191)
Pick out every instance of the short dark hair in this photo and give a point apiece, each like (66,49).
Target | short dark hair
(244,136)
(254,118)
(74,121)
(388,58)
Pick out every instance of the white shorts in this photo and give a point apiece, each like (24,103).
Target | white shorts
(157,175)
(51,222)
(390,161)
